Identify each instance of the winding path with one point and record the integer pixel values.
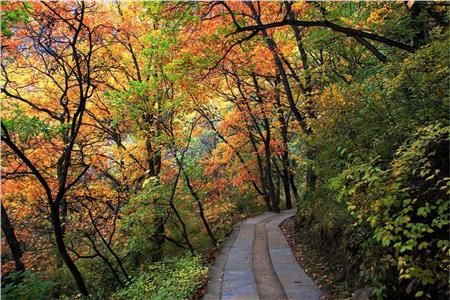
(256, 262)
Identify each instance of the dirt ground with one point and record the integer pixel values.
(308, 251)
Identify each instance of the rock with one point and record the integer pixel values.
(363, 294)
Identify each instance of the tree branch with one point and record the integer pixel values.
(327, 24)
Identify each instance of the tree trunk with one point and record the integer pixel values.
(419, 23)
(158, 239)
(200, 209)
(105, 260)
(311, 177)
(184, 231)
(261, 174)
(268, 171)
(278, 179)
(59, 260)
(284, 78)
(307, 89)
(154, 164)
(107, 245)
(311, 153)
(59, 238)
(294, 188)
(286, 181)
(285, 156)
(11, 239)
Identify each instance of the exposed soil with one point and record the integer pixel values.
(308, 252)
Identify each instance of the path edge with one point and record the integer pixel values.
(297, 287)
(217, 268)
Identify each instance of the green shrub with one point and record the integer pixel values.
(371, 195)
(174, 278)
(32, 286)
(407, 206)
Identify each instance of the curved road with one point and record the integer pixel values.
(256, 262)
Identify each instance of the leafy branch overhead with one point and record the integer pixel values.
(135, 135)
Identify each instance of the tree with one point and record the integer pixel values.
(13, 242)
(61, 39)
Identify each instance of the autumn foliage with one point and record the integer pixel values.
(137, 133)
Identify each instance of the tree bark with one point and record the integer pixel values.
(311, 177)
(268, 172)
(11, 239)
(294, 187)
(107, 245)
(286, 181)
(285, 156)
(261, 173)
(284, 79)
(59, 238)
(200, 209)
(105, 260)
(154, 165)
(54, 208)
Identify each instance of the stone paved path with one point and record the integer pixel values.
(257, 263)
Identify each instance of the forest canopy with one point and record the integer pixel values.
(134, 135)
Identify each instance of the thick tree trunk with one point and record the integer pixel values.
(11, 239)
(419, 23)
(294, 188)
(285, 156)
(158, 239)
(311, 177)
(59, 260)
(268, 168)
(154, 165)
(286, 181)
(59, 238)
(270, 185)
(278, 179)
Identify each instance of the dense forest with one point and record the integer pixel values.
(135, 135)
